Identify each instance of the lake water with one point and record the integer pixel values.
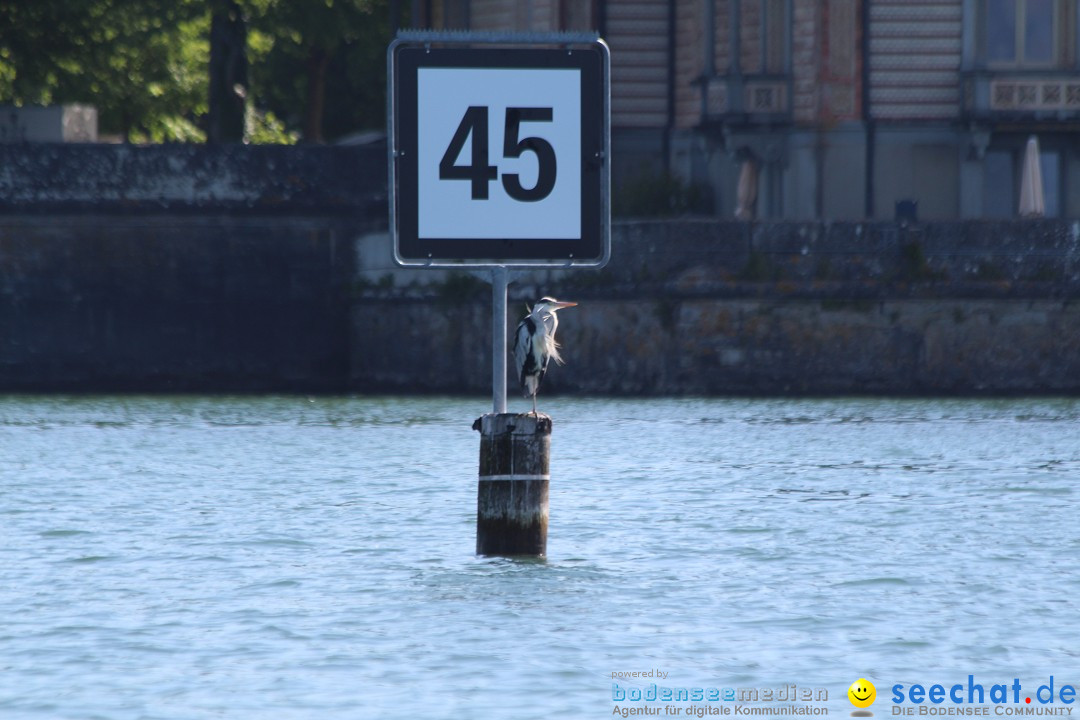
(280, 557)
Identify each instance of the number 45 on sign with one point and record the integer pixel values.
(475, 123)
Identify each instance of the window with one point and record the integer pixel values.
(763, 36)
(1028, 33)
(774, 34)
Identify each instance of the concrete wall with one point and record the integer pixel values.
(689, 307)
(919, 165)
(777, 346)
(661, 346)
(184, 268)
(230, 179)
(48, 123)
(180, 268)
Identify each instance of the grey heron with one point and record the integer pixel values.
(534, 344)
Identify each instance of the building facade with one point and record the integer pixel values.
(830, 109)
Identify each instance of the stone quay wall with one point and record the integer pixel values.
(184, 268)
(710, 307)
(180, 268)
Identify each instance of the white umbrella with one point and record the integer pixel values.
(746, 191)
(1032, 202)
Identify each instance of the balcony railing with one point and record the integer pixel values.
(765, 96)
(748, 98)
(1022, 94)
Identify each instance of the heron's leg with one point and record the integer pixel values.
(534, 403)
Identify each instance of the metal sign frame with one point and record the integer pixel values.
(584, 52)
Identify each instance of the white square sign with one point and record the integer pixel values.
(498, 150)
(525, 182)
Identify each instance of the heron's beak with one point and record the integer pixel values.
(561, 305)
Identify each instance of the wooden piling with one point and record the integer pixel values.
(512, 493)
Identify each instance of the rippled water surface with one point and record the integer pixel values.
(313, 558)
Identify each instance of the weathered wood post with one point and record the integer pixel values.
(512, 493)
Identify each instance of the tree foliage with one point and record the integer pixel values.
(316, 66)
(320, 64)
(143, 64)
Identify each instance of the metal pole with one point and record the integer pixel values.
(498, 338)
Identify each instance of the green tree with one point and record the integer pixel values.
(320, 64)
(143, 64)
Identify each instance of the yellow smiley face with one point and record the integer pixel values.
(862, 693)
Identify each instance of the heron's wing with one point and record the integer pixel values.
(522, 348)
